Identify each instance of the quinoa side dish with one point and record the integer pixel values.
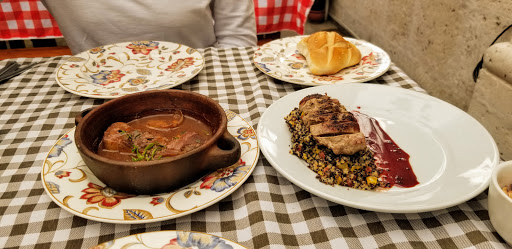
(328, 138)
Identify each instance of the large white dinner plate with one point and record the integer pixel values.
(171, 239)
(115, 70)
(71, 185)
(451, 153)
(280, 59)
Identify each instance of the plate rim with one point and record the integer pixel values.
(181, 81)
(350, 39)
(172, 231)
(355, 204)
(163, 218)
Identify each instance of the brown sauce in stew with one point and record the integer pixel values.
(153, 137)
(388, 155)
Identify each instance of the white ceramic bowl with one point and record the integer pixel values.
(500, 205)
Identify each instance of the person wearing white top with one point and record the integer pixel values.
(86, 24)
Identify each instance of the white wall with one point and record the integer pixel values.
(438, 43)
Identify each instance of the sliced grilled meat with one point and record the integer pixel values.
(347, 144)
(333, 127)
(313, 109)
(310, 97)
(331, 124)
(315, 102)
(338, 116)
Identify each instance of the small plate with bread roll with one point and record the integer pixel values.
(322, 58)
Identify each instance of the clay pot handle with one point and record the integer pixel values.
(226, 153)
(82, 114)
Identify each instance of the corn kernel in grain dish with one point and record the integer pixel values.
(327, 137)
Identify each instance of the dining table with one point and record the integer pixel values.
(266, 211)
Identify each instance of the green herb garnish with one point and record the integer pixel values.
(148, 154)
(126, 133)
(131, 136)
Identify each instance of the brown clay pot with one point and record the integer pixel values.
(152, 177)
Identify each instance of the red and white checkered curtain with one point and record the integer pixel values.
(277, 15)
(26, 19)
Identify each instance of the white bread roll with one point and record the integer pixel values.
(327, 52)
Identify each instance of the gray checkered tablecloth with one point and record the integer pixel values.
(35, 112)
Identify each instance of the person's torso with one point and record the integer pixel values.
(89, 23)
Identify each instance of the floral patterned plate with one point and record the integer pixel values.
(281, 60)
(118, 69)
(169, 240)
(71, 185)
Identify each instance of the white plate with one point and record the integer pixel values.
(280, 59)
(451, 153)
(118, 69)
(171, 239)
(71, 185)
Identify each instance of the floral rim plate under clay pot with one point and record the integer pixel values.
(70, 184)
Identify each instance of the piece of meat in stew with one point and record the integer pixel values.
(153, 137)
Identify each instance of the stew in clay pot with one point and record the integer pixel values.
(153, 137)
